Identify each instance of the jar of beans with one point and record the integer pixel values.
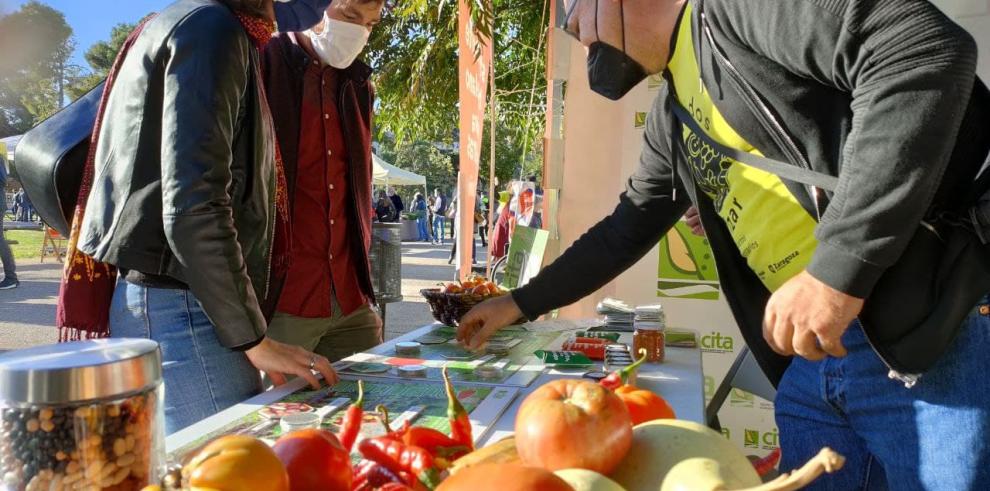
(81, 415)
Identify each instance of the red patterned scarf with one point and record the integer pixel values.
(260, 31)
(86, 289)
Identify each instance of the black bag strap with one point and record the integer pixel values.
(781, 169)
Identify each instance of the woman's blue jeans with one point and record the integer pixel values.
(202, 377)
(424, 235)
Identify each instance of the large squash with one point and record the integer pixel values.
(660, 445)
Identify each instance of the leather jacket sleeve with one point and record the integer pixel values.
(206, 78)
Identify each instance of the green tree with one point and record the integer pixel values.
(36, 43)
(100, 57)
(414, 52)
(425, 159)
(102, 54)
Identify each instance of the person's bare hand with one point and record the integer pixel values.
(693, 219)
(807, 317)
(485, 319)
(279, 360)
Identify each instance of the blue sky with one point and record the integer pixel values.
(91, 20)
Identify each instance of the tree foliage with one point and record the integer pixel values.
(102, 54)
(414, 52)
(36, 43)
(100, 57)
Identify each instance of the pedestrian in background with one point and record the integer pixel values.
(6, 255)
(396, 202)
(439, 210)
(419, 207)
(384, 209)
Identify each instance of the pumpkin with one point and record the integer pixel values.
(236, 463)
(644, 405)
(585, 480)
(658, 446)
(497, 453)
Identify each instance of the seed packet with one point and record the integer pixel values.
(563, 359)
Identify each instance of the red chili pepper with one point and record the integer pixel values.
(371, 475)
(350, 424)
(399, 457)
(460, 422)
(394, 486)
(618, 378)
(766, 464)
(435, 442)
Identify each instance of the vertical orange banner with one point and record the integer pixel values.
(473, 71)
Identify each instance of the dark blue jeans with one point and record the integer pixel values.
(934, 436)
(202, 377)
(424, 235)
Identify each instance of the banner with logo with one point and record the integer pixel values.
(474, 65)
(526, 251)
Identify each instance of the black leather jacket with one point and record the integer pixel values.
(184, 184)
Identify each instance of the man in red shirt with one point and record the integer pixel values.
(321, 100)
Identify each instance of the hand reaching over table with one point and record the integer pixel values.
(485, 319)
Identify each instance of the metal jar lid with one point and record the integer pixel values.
(79, 371)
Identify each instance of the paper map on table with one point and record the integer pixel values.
(427, 400)
(519, 367)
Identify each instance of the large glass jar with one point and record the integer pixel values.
(81, 415)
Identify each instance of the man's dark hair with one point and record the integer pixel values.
(255, 8)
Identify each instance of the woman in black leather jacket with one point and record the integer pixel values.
(183, 203)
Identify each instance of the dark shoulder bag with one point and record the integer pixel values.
(51, 158)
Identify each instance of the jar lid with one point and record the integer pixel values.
(648, 326)
(79, 371)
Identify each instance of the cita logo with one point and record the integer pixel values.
(717, 342)
(741, 398)
(767, 440)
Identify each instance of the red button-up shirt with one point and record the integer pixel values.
(321, 254)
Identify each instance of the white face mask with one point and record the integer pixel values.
(339, 43)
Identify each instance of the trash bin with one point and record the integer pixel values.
(385, 257)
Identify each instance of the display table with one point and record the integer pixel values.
(679, 380)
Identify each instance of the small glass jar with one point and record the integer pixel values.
(81, 415)
(648, 333)
(300, 421)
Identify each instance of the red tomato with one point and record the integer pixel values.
(315, 459)
(504, 477)
(573, 423)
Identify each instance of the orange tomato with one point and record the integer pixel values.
(315, 459)
(452, 288)
(504, 477)
(237, 463)
(572, 423)
(644, 405)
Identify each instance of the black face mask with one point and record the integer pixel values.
(611, 72)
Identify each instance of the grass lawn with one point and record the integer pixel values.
(28, 243)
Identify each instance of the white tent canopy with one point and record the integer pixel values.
(386, 174)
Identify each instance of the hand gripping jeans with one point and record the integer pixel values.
(934, 436)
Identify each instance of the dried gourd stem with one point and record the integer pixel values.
(827, 461)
